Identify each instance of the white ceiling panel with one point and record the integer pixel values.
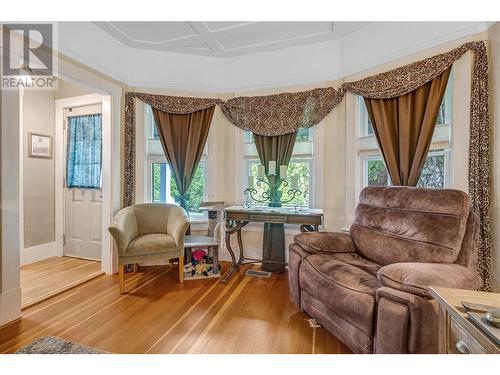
(154, 32)
(225, 39)
(224, 25)
(260, 34)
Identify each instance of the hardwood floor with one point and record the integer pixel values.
(159, 315)
(44, 279)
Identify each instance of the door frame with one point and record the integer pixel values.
(60, 106)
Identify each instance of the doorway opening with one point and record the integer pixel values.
(64, 191)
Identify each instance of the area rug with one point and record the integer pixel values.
(56, 345)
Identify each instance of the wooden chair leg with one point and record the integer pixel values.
(121, 273)
(181, 269)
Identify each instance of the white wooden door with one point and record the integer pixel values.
(82, 209)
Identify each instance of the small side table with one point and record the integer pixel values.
(457, 334)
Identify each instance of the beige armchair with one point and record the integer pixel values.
(149, 232)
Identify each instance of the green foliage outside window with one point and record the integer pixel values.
(431, 176)
(196, 191)
(295, 168)
(156, 182)
(377, 174)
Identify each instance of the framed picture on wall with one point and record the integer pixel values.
(39, 146)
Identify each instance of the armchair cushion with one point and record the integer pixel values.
(151, 244)
(325, 242)
(151, 247)
(416, 278)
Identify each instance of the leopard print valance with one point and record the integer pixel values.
(402, 80)
(178, 105)
(281, 113)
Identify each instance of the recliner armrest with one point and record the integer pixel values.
(416, 278)
(325, 242)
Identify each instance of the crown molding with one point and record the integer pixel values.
(228, 84)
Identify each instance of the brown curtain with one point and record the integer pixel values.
(183, 137)
(404, 126)
(276, 147)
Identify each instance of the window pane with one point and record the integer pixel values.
(377, 173)
(440, 120)
(369, 126)
(248, 137)
(149, 121)
(253, 172)
(163, 193)
(301, 169)
(432, 175)
(366, 124)
(303, 135)
(196, 192)
(296, 168)
(159, 175)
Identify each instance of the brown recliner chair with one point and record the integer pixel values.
(369, 288)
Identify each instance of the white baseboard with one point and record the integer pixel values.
(39, 252)
(10, 306)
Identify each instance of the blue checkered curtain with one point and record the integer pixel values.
(84, 152)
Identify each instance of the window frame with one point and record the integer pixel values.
(363, 119)
(432, 152)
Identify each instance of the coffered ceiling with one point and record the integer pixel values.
(225, 39)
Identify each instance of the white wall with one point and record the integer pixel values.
(289, 66)
(382, 42)
(11, 214)
(175, 71)
(39, 221)
(89, 45)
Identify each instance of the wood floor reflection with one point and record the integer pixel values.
(158, 315)
(46, 278)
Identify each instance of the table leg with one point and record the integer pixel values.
(273, 251)
(233, 227)
(240, 245)
(234, 265)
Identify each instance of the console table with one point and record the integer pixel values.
(274, 218)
